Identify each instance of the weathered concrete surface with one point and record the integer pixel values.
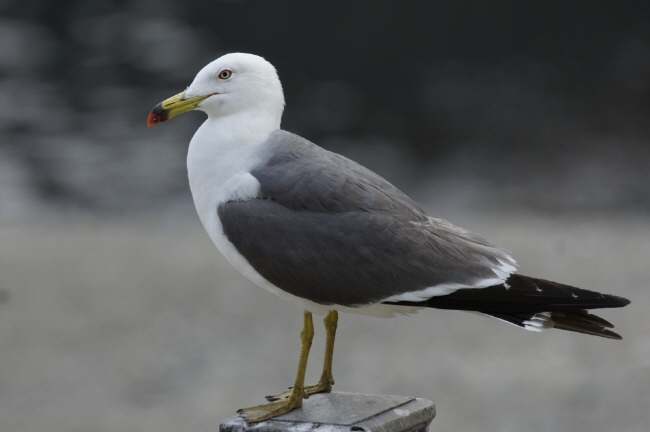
(346, 412)
(142, 326)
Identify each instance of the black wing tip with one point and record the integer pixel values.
(578, 321)
(602, 332)
(611, 335)
(618, 301)
(581, 321)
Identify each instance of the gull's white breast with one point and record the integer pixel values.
(219, 170)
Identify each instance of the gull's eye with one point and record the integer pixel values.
(225, 74)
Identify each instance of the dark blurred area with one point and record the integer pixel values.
(540, 105)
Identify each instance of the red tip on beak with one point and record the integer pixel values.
(157, 115)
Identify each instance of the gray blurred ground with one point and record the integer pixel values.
(140, 325)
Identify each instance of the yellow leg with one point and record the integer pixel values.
(294, 400)
(326, 380)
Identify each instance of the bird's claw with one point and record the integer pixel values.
(267, 411)
(323, 386)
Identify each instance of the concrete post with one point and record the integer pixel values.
(346, 412)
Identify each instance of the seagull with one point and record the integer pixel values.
(330, 235)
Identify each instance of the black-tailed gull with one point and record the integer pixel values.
(329, 235)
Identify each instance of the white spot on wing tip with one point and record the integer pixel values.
(539, 322)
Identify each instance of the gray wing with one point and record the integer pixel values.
(302, 176)
(329, 230)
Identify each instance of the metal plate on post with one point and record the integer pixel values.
(346, 412)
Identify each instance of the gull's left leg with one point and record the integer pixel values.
(326, 380)
(258, 413)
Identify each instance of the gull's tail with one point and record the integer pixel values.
(534, 304)
(578, 320)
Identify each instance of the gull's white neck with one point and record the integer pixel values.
(221, 155)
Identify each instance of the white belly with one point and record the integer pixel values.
(208, 195)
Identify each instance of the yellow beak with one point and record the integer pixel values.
(173, 106)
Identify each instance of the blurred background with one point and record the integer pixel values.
(527, 122)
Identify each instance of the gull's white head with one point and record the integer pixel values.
(234, 83)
